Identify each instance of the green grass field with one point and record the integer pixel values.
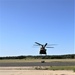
(35, 60)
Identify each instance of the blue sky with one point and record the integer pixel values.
(22, 22)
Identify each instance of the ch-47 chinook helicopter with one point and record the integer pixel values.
(43, 48)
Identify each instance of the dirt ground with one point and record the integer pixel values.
(24, 71)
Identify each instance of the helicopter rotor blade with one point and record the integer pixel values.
(45, 45)
(49, 47)
(51, 44)
(35, 45)
(38, 43)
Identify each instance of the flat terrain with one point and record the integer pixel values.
(27, 67)
(36, 72)
(34, 62)
(15, 64)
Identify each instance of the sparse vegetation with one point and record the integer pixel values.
(68, 56)
(56, 68)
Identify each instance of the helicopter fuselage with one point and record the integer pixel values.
(42, 50)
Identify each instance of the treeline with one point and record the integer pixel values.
(69, 56)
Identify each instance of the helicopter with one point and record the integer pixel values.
(43, 48)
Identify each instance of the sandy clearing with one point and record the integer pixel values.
(28, 71)
(35, 72)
